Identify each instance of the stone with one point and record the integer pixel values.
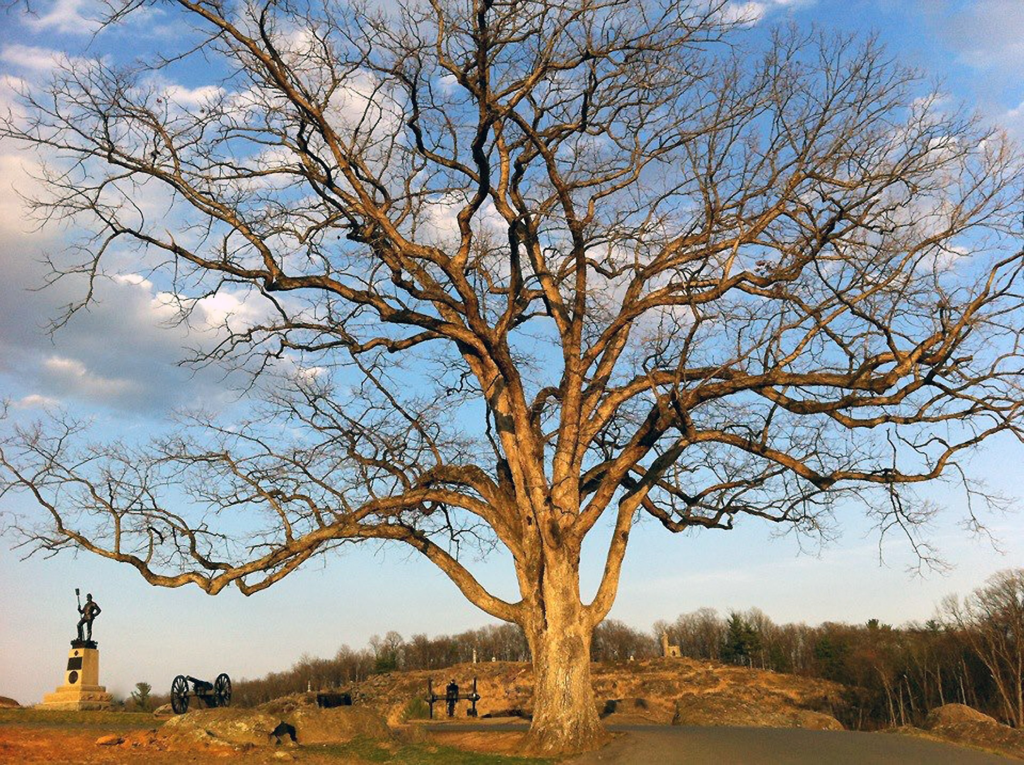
(110, 740)
(81, 689)
(810, 720)
(337, 725)
(712, 711)
(223, 725)
(955, 714)
(8, 703)
(259, 727)
(165, 710)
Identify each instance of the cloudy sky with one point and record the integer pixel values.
(117, 363)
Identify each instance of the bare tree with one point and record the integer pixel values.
(991, 620)
(534, 266)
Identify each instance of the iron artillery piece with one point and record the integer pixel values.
(451, 697)
(215, 694)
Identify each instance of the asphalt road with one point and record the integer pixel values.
(672, 745)
(667, 745)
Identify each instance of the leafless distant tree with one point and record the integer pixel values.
(534, 266)
(991, 620)
(616, 641)
(699, 634)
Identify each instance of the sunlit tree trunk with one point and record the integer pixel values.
(559, 630)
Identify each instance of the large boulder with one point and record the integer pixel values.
(335, 726)
(275, 722)
(223, 725)
(963, 725)
(7, 703)
(711, 710)
(811, 720)
(956, 714)
(625, 711)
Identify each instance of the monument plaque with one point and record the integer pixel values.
(81, 689)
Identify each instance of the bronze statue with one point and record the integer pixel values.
(88, 612)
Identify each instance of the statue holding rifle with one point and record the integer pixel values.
(88, 613)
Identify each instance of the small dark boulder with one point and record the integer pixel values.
(284, 733)
(333, 699)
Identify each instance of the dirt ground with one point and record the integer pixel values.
(29, 736)
(38, 742)
(33, 744)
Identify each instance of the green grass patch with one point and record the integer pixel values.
(41, 718)
(371, 750)
(416, 709)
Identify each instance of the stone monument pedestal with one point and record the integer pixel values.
(81, 689)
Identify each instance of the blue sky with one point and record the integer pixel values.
(118, 364)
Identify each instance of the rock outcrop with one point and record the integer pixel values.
(222, 726)
(962, 724)
(282, 721)
(335, 726)
(726, 710)
(956, 714)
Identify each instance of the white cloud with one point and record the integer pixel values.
(1013, 120)
(752, 11)
(65, 16)
(74, 378)
(136, 280)
(192, 97)
(30, 57)
(744, 13)
(236, 310)
(16, 179)
(987, 34)
(36, 401)
(122, 353)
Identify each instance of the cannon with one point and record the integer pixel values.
(432, 698)
(215, 694)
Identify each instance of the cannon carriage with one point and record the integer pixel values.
(451, 697)
(215, 694)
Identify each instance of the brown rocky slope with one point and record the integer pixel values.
(662, 691)
(962, 725)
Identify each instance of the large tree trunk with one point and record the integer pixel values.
(559, 632)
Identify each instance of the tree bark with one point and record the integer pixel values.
(559, 630)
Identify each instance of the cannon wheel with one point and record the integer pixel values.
(222, 690)
(179, 695)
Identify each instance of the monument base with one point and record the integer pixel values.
(70, 698)
(81, 689)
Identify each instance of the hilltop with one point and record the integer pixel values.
(656, 691)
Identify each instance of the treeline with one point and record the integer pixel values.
(972, 653)
(499, 642)
(894, 675)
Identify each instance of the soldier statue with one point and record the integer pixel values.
(88, 612)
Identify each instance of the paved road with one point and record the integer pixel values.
(671, 745)
(775, 746)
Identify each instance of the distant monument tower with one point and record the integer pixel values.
(81, 689)
(669, 651)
